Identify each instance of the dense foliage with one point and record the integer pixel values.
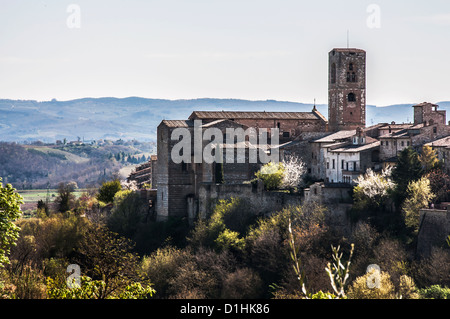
(234, 252)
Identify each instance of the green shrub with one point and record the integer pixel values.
(226, 226)
(435, 292)
(108, 190)
(272, 175)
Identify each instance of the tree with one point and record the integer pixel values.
(419, 196)
(9, 212)
(128, 214)
(440, 185)
(271, 174)
(428, 158)
(294, 169)
(107, 257)
(408, 168)
(65, 199)
(108, 190)
(373, 189)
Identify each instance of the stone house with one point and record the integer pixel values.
(442, 148)
(343, 156)
(178, 184)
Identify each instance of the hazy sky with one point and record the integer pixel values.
(249, 49)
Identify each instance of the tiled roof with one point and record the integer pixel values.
(424, 104)
(256, 115)
(356, 148)
(445, 141)
(178, 123)
(336, 136)
(398, 134)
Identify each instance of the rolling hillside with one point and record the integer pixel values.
(137, 118)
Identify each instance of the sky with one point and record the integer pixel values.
(242, 49)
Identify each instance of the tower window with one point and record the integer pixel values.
(348, 76)
(353, 77)
(333, 73)
(351, 97)
(350, 66)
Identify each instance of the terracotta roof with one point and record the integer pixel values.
(425, 103)
(336, 136)
(397, 126)
(256, 115)
(445, 141)
(398, 134)
(178, 123)
(356, 148)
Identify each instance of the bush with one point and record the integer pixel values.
(272, 175)
(435, 292)
(108, 190)
(162, 265)
(223, 230)
(244, 283)
(361, 290)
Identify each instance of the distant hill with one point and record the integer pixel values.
(138, 118)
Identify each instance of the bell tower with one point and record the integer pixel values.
(346, 89)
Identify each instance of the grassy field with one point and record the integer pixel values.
(31, 197)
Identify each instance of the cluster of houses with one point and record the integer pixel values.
(335, 150)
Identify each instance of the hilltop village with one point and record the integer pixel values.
(335, 150)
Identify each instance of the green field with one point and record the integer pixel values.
(34, 195)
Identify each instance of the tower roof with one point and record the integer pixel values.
(348, 50)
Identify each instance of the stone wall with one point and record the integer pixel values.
(434, 228)
(263, 202)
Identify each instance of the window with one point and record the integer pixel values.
(333, 73)
(407, 143)
(353, 77)
(351, 97)
(285, 134)
(348, 76)
(387, 143)
(350, 66)
(278, 124)
(328, 165)
(342, 164)
(334, 166)
(435, 130)
(403, 143)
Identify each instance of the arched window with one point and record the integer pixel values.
(333, 73)
(353, 77)
(348, 76)
(350, 66)
(351, 97)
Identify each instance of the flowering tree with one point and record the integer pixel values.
(373, 189)
(419, 196)
(294, 169)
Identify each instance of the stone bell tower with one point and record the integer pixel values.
(346, 89)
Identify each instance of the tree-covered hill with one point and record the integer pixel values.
(39, 166)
